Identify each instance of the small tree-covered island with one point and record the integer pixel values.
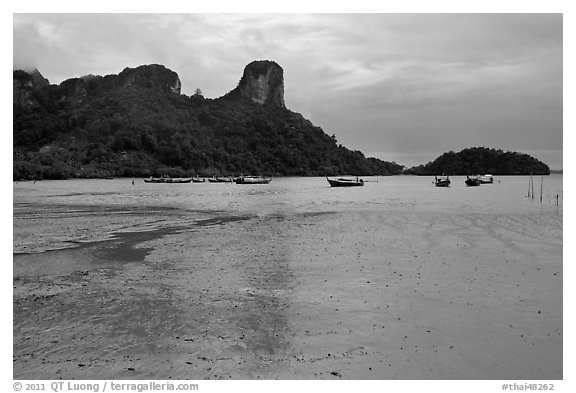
(479, 160)
(138, 124)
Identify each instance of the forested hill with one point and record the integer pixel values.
(137, 123)
(481, 160)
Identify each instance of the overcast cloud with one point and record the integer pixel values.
(402, 87)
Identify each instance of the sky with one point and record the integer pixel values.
(399, 87)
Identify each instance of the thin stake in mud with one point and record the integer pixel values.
(530, 186)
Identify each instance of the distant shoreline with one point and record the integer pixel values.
(552, 172)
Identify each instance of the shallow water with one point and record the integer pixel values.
(49, 214)
(292, 194)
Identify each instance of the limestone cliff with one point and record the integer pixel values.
(24, 83)
(137, 124)
(152, 76)
(263, 83)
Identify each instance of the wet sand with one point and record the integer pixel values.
(341, 295)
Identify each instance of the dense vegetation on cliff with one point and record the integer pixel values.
(481, 160)
(138, 125)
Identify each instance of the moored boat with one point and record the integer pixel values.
(220, 180)
(179, 180)
(166, 179)
(198, 180)
(442, 182)
(252, 180)
(486, 179)
(345, 182)
(472, 181)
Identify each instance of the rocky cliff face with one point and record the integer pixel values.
(263, 83)
(75, 90)
(24, 83)
(153, 76)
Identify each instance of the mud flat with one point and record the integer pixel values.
(334, 295)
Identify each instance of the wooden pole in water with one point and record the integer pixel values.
(541, 187)
(532, 181)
